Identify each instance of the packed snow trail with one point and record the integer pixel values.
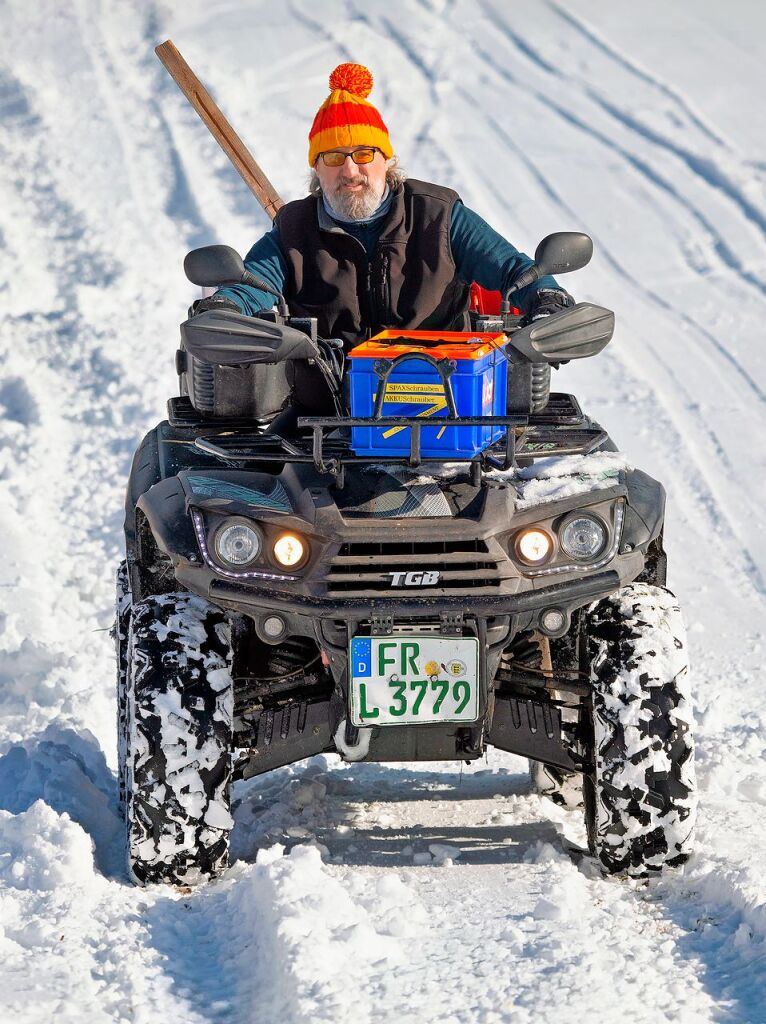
(366, 892)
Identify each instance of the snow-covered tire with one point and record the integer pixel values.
(640, 797)
(562, 787)
(179, 736)
(120, 632)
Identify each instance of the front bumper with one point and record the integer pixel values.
(571, 594)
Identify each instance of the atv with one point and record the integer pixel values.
(481, 570)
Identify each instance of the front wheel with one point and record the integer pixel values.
(640, 793)
(176, 749)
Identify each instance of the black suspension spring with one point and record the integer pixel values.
(541, 386)
(204, 386)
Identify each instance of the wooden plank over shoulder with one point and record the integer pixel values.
(222, 131)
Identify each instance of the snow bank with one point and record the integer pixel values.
(48, 889)
(42, 850)
(552, 478)
(68, 771)
(319, 939)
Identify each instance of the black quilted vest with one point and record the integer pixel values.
(408, 282)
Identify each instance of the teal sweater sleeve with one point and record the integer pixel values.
(484, 256)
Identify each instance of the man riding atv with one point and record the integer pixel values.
(381, 583)
(369, 249)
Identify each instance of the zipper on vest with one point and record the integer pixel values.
(385, 288)
(368, 317)
(378, 295)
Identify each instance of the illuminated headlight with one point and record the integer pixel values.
(583, 537)
(290, 551)
(533, 546)
(237, 543)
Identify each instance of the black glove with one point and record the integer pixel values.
(221, 302)
(546, 302)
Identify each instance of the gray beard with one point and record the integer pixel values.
(354, 205)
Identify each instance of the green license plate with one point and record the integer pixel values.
(413, 680)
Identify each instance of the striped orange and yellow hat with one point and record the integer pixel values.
(346, 118)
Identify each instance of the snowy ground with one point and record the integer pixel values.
(405, 893)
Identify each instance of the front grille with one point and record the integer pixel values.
(364, 568)
(415, 628)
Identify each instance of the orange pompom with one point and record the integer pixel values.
(353, 78)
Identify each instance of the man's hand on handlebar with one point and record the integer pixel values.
(547, 302)
(219, 302)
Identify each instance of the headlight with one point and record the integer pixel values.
(290, 551)
(238, 543)
(583, 537)
(533, 546)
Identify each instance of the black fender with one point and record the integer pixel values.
(644, 512)
(145, 471)
(165, 510)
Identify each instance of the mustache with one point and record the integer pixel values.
(356, 180)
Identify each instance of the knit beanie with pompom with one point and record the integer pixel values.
(346, 118)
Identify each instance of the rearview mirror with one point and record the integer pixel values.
(562, 252)
(559, 253)
(214, 265)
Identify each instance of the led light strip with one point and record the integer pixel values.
(619, 513)
(199, 527)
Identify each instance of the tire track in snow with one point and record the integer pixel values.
(112, 69)
(105, 74)
(728, 258)
(706, 169)
(512, 917)
(320, 29)
(50, 382)
(502, 72)
(412, 58)
(647, 171)
(623, 61)
(427, 141)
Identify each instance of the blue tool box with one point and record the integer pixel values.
(418, 370)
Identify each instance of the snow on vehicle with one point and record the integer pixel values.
(446, 566)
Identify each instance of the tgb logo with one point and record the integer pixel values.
(415, 579)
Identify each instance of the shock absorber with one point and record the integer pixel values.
(541, 386)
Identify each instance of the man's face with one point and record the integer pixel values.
(353, 190)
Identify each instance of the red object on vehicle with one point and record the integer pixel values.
(487, 303)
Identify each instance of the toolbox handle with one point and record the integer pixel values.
(385, 367)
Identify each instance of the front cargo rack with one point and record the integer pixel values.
(325, 441)
(501, 455)
(326, 444)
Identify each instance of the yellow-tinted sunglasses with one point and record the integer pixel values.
(332, 158)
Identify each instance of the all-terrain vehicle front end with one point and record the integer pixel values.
(284, 596)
